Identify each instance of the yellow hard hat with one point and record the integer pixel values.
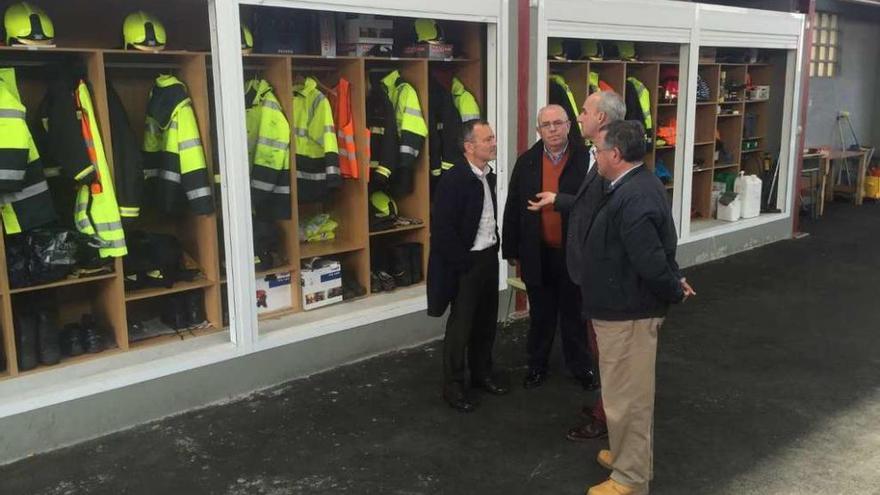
(428, 31)
(247, 39)
(28, 25)
(143, 31)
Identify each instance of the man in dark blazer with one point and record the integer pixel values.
(535, 240)
(598, 110)
(463, 266)
(629, 277)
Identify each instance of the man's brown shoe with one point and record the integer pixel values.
(590, 431)
(611, 487)
(605, 459)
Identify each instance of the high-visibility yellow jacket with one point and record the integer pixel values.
(96, 212)
(317, 151)
(449, 108)
(411, 128)
(268, 133)
(560, 94)
(175, 169)
(25, 202)
(638, 105)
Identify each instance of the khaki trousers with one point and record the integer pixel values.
(627, 359)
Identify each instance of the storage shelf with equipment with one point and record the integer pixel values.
(747, 109)
(581, 67)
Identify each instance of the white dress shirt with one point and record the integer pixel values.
(619, 178)
(592, 158)
(486, 231)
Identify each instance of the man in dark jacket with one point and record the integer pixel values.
(629, 278)
(536, 240)
(599, 109)
(463, 266)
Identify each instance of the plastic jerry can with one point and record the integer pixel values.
(748, 188)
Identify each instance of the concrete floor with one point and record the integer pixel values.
(767, 384)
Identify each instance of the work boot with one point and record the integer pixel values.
(71, 340)
(611, 487)
(400, 265)
(605, 459)
(174, 313)
(26, 341)
(194, 308)
(415, 261)
(91, 337)
(47, 337)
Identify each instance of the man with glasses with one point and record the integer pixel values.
(599, 109)
(536, 241)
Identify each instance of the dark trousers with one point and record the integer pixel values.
(470, 329)
(556, 302)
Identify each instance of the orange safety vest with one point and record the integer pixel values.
(342, 116)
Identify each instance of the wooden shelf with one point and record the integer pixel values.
(326, 248)
(62, 283)
(659, 148)
(398, 229)
(66, 361)
(669, 187)
(701, 103)
(753, 151)
(573, 62)
(731, 102)
(757, 101)
(704, 143)
(719, 166)
(669, 105)
(166, 339)
(162, 291)
(704, 169)
(752, 137)
(728, 115)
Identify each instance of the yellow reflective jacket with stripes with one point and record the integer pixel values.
(175, 169)
(268, 133)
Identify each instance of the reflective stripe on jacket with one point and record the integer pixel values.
(175, 169)
(96, 212)
(25, 202)
(317, 151)
(411, 128)
(268, 133)
(341, 103)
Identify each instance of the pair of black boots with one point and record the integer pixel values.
(184, 310)
(406, 263)
(38, 340)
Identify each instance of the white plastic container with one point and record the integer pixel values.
(748, 190)
(731, 211)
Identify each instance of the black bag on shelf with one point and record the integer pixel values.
(45, 255)
(154, 260)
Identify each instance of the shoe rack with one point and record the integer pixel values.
(96, 47)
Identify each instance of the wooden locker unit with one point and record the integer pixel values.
(132, 74)
(648, 73)
(613, 73)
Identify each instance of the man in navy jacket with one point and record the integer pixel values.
(463, 266)
(629, 278)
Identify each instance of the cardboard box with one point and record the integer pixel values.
(432, 51)
(367, 29)
(321, 284)
(758, 93)
(327, 29)
(273, 293)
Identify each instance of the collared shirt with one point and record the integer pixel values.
(486, 237)
(592, 158)
(555, 158)
(618, 179)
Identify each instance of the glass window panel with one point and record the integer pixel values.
(832, 54)
(813, 53)
(833, 38)
(822, 53)
(812, 69)
(823, 36)
(821, 69)
(830, 70)
(833, 22)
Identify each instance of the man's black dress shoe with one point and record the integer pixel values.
(588, 380)
(454, 396)
(490, 385)
(593, 429)
(534, 379)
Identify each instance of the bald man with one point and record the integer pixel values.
(536, 241)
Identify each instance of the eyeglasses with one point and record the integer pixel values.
(554, 124)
